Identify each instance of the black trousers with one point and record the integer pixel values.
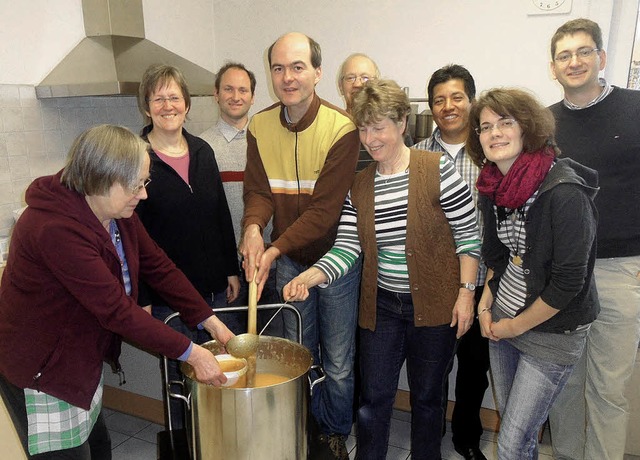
(471, 383)
(97, 447)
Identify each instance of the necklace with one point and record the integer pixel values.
(387, 177)
(516, 216)
(174, 151)
(516, 258)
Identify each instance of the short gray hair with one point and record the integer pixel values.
(101, 157)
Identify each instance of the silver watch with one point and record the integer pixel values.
(470, 286)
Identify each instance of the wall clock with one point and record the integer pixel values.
(536, 7)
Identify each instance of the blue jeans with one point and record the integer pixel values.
(428, 351)
(329, 320)
(525, 388)
(198, 336)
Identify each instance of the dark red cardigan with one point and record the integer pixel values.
(63, 305)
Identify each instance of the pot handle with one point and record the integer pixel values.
(313, 383)
(185, 399)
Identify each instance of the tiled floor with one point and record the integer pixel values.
(135, 439)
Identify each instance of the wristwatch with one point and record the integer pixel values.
(470, 286)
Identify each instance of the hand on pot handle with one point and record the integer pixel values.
(206, 367)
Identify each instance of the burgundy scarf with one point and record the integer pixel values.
(522, 180)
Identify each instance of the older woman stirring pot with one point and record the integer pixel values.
(69, 295)
(412, 216)
(539, 248)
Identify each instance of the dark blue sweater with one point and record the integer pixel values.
(606, 137)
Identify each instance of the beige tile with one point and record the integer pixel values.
(5, 174)
(12, 119)
(19, 167)
(53, 143)
(50, 118)
(6, 193)
(28, 96)
(9, 96)
(3, 145)
(16, 144)
(34, 141)
(19, 186)
(32, 118)
(39, 166)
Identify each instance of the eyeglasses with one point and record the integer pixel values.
(504, 124)
(138, 188)
(582, 53)
(351, 79)
(159, 101)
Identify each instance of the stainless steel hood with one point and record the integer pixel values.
(114, 55)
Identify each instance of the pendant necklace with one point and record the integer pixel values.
(516, 258)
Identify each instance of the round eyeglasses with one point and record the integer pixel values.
(582, 53)
(502, 125)
(159, 101)
(138, 188)
(351, 79)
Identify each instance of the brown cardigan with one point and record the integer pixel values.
(434, 268)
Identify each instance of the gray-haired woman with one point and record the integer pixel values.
(69, 294)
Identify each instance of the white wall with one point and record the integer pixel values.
(185, 27)
(36, 34)
(409, 39)
(495, 39)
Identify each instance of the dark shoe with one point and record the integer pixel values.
(470, 453)
(337, 444)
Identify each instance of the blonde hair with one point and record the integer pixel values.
(380, 99)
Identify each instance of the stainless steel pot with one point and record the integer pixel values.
(254, 423)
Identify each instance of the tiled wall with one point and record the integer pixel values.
(35, 134)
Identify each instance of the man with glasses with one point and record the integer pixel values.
(451, 90)
(597, 125)
(355, 71)
(301, 160)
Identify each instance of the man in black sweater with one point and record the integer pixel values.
(598, 126)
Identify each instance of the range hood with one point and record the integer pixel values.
(113, 56)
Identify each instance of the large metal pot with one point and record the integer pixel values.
(254, 423)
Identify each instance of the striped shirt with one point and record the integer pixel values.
(469, 172)
(606, 90)
(512, 290)
(390, 201)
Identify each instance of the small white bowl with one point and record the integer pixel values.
(237, 367)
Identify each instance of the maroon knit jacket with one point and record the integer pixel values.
(63, 305)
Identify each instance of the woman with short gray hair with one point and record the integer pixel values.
(69, 296)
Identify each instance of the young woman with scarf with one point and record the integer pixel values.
(539, 247)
